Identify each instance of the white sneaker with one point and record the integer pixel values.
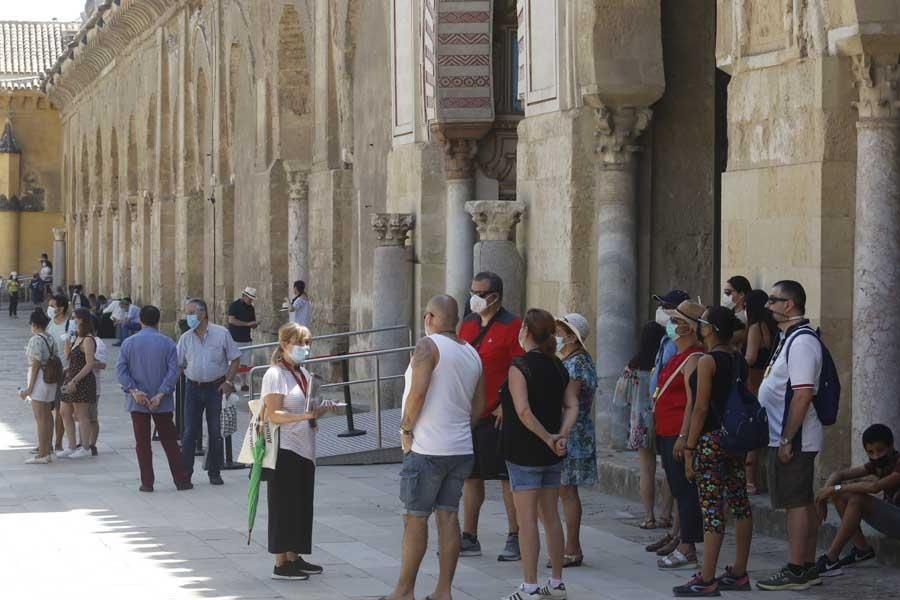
(39, 460)
(521, 594)
(64, 453)
(80, 453)
(557, 593)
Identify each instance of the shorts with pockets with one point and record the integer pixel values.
(791, 484)
(429, 483)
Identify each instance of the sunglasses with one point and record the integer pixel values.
(482, 294)
(776, 300)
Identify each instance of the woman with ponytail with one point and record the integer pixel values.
(540, 408)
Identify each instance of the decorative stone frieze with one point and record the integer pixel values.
(391, 229)
(495, 219)
(877, 81)
(617, 132)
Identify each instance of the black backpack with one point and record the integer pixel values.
(745, 425)
(827, 398)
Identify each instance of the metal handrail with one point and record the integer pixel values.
(347, 357)
(331, 336)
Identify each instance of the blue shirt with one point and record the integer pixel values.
(667, 349)
(148, 361)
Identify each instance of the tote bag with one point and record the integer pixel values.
(260, 426)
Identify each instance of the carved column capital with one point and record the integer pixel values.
(298, 183)
(97, 211)
(877, 81)
(147, 197)
(391, 229)
(113, 210)
(617, 130)
(495, 219)
(59, 234)
(132, 204)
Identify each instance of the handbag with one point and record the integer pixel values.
(260, 426)
(53, 369)
(228, 418)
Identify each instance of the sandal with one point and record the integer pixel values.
(659, 543)
(664, 523)
(676, 560)
(668, 548)
(569, 560)
(649, 524)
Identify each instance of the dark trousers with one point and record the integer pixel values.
(168, 436)
(197, 399)
(290, 498)
(684, 492)
(14, 305)
(124, 330)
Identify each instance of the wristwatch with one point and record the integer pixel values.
(405, 431)
(837, 488)
(784, 441)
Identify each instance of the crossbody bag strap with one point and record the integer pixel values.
(49, 346)
(301, 381)
(671, 378)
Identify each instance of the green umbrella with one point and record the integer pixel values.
(259, 451)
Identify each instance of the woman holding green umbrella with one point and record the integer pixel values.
(285, 393)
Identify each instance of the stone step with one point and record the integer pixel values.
(619, 474)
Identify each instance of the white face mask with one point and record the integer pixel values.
(479, 304)
(560, 343)
(661, 317)
(51, 311)
(727, 301)
(299, 354)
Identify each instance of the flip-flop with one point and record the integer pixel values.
(648, 524)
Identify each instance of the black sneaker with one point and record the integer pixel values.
(826, 568)
(469, 545)
(216, 480)
(305, 567)
(812, 574)
(785, 579)
(856, 556)
(94, 451)
(729, 582)
(288, 571)
(697, 588)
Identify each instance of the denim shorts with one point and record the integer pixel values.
(429, 483)
(523, 478)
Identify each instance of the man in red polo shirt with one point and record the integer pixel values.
(494, 332)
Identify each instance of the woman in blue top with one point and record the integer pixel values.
(580, 464)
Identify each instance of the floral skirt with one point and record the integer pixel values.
(579, 471)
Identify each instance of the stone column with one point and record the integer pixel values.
(115, 282)
(460, 234)
(616, 332)
(298, 219)
(393, 298)
(876, 330)
(133, 250)
(59, 258)
(496, 251)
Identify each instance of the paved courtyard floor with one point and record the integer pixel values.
(81, 530)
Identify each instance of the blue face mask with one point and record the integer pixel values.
(671, 331)
(193, 321)
(299, 354)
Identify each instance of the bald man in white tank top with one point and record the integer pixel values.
(444, 397)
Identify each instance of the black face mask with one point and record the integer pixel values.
(885, 461)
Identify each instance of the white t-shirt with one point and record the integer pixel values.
(803, 373)
(99, 356)
(300, 311)
(299, 438)
(46, 273)
(444, 426)
(60, 332)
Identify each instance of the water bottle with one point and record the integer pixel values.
(27, 398)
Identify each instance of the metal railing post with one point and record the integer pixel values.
(377, 403)
(351, 430)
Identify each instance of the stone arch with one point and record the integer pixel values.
(295, 114)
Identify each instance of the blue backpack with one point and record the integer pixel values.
(745, 425)
(827, 398)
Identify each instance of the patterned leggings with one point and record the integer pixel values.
(720, 476)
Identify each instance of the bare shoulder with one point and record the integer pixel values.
(426, 352)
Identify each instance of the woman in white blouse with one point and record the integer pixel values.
(300, 304)
(38, 351)
(285, 392)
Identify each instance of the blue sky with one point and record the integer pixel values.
(40, 10)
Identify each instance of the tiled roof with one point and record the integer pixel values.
(28, 49)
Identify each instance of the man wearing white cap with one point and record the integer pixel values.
(242, 316)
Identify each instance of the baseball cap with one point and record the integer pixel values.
(672, 297)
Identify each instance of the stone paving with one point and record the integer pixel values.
(81, 530)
